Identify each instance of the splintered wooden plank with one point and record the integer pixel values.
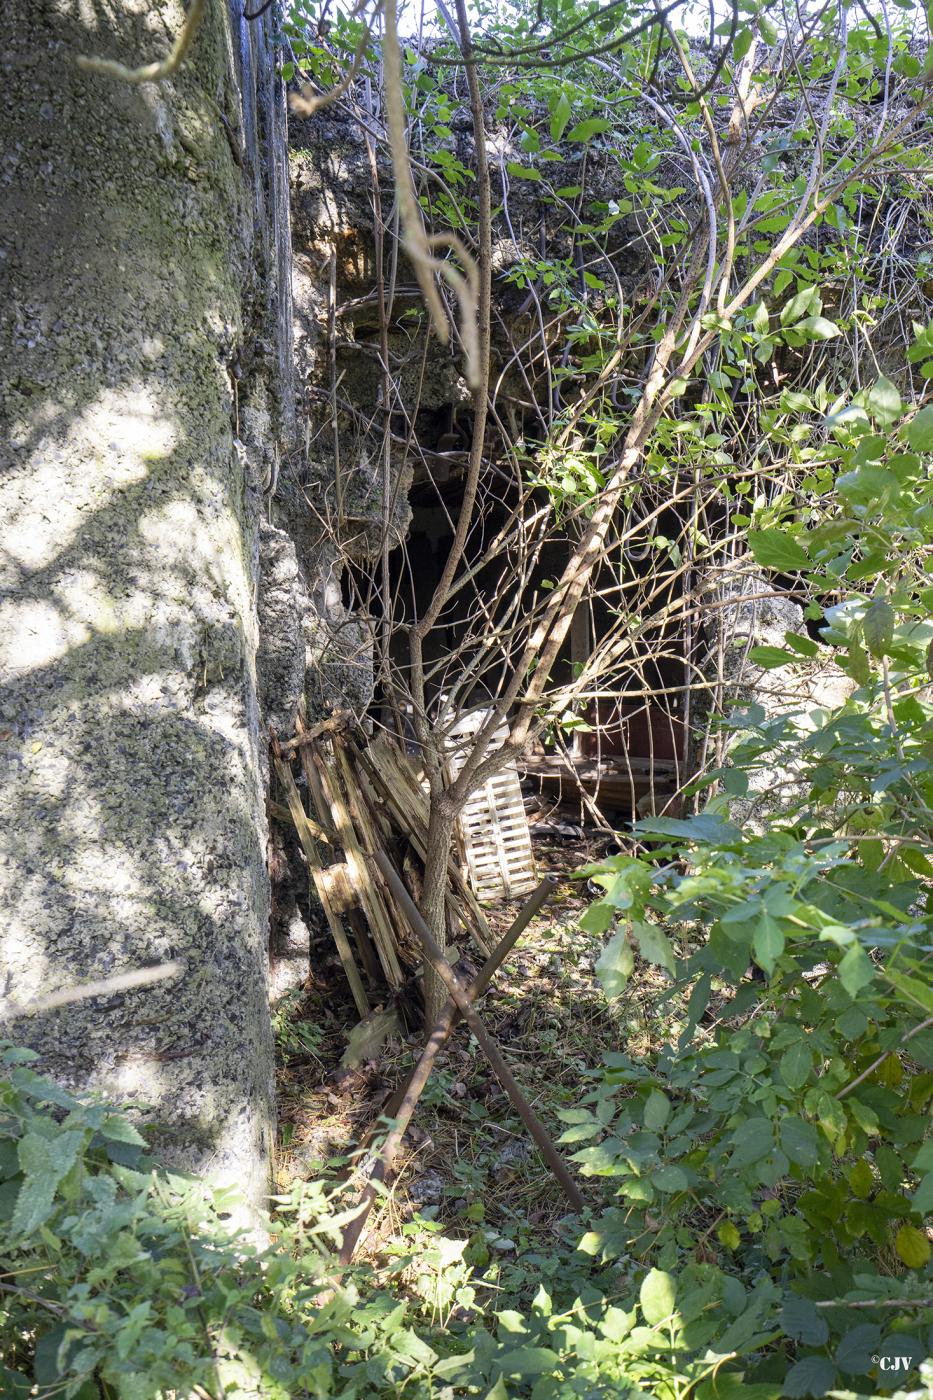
(396, 783)
(493, 827)
(306, 837)
(357, 837)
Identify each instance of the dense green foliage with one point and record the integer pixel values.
(762, 1176)
(786, 1128)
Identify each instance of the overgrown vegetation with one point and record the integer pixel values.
(759, 1166)
(672, 242)
(762, 1175)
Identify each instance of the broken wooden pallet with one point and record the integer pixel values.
(493, 828)
(362, 798)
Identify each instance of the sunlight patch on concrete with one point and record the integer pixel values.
(36, 634)
(119, 435)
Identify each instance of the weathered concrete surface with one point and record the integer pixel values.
(141, 288)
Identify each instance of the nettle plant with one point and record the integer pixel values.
(121, 1279)
(781, 1137)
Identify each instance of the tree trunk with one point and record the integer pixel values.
(136, 352)
(433, 909)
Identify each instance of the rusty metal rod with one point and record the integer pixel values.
(485, 1041)
(405, 1100)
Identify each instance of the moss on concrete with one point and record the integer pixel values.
(130, 737)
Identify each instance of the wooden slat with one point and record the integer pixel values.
(493, 828)
(385, 934)
(306, 837)
(591, 770)
(334, 796)
(396, 783)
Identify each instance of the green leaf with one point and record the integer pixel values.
(831, 1114)
(597, 918)
(451, 1365)
(801, 1321)
(670, 1178)
(728, 1235)
(44, 1162)
(614, 964)
(799, 1141)
(743, 42)
(775, 549)
(522, 172)
(591, 127)
(119, 1129)
(768, 943)
(922, 1199)
(706, 828)
(617, 1323)
(912, 988)
(654, 945)
(861, 1180)
(699, 999)
(771, 657)
(884, 402)
(913, 1246)
(855, 970)
(14, 1385)
(52, 1355)
(857, 664)
(806, 646)
(812, 1376)
(817, 328)
(854, 1351)
(560, 117)
(9, 1158)
(753, 1140)
(732, 1385)
(657, 1110)
(878, 627)
(796, 1067)
(799, 305)
(919, 431)
(528, 1361)
(657, 1297)
(923, 1158)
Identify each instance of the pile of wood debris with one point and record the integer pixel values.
(365, 795)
